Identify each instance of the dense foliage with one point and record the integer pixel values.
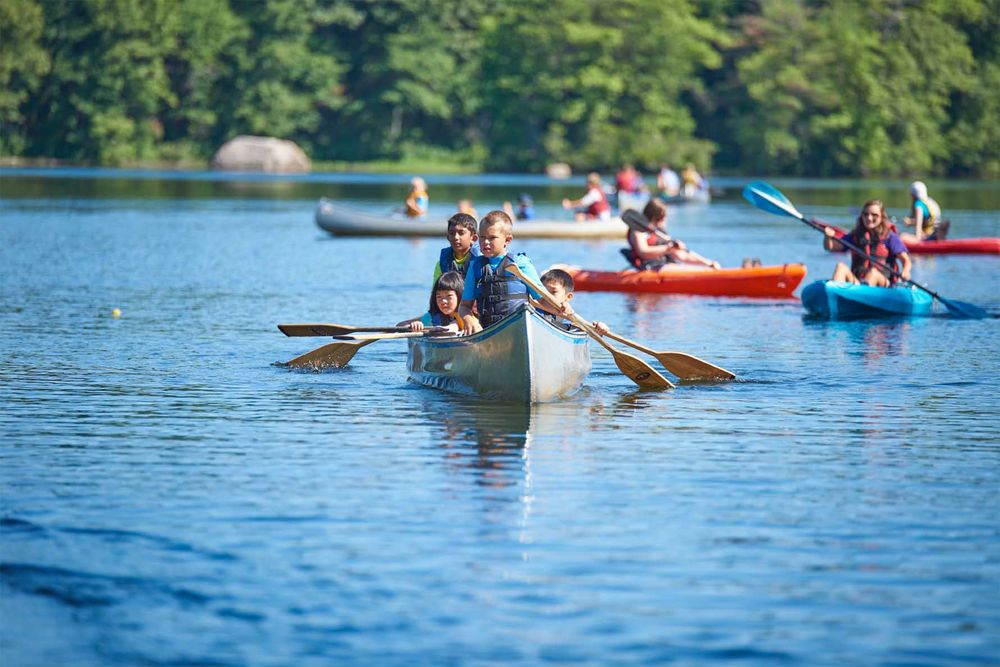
(841, 87)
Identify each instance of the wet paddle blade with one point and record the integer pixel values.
(331, 355)
(768, 198)
(963, 310)
(688, 367)
(639, 371)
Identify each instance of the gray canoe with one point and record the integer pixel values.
(343, 220)
(523, 358)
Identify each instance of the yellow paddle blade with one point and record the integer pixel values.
(639, 371)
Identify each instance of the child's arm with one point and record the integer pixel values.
(472, 324)
(415, 323)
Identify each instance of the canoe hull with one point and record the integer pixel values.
(844, 301)
(342, 220)
(524, 358)
(762, 281)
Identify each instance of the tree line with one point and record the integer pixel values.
(793, 87)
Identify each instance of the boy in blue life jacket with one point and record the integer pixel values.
(461, 246)
(494, 292)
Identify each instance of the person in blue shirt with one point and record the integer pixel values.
(493, 291)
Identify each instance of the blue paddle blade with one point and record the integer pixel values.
(963, 310)
(768, 198)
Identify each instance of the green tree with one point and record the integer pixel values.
(851, 87)
(23, 62)
(593, 83)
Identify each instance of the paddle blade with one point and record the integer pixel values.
(963, 310)
(635, 220)
(639, 371)
(769, 198)
(689, 367)
(331, 355)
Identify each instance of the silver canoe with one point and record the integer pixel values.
(522, 358)
(343, 220)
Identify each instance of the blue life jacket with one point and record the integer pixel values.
(498, 292)
(447, 260)
(441, 320)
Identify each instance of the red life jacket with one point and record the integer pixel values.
(599, 206)
(877, 248)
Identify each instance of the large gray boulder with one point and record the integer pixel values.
(249, 153)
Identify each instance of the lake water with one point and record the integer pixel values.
(171, 497)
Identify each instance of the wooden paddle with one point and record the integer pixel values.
(320, 329)
(684, 366)
(634, 368)
(338, 354)
(768, 198)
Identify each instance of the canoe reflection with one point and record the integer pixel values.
(493, 440)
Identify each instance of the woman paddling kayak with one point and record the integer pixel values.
(872, 233)
(655, 250)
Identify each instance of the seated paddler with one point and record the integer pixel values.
(443, 309)
(560, 285)
(873, 234)
(493, 291)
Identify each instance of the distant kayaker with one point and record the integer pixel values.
(693, 181)
(668, 182)
(461, 246)
(417, 200)
(560, 285)
(925, 217)
(493, 291)
(594, 204)
(654, 250)
(872, 233)
(443, 310)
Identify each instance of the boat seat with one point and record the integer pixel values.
(629, 256)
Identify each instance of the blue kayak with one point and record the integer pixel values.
(841, 301)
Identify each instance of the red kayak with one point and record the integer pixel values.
(987, 245)
(760, 281)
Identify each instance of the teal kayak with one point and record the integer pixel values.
(840, 301)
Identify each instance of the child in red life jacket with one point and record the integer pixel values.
(872, 233)
(594, 204)
(443, 310)
(650, 251)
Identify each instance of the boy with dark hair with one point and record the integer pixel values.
(461, 246)
(560, 285)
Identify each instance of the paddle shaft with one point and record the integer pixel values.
(339, 353)
(323, 329)
(635, 369)
(768, 198)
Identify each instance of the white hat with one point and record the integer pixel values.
(918, 189)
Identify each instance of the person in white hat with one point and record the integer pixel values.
(925, 217)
